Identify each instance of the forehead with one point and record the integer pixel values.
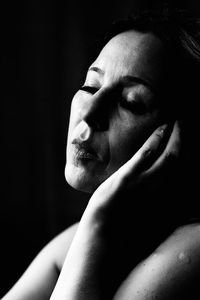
(132, 53)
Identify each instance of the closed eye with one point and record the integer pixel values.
(89, 89)
(134, 106)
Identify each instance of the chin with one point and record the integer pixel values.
(80, 180)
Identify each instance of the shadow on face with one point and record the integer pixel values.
(115, 110)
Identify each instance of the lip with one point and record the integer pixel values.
(84, 151)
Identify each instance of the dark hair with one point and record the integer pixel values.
(179, 31)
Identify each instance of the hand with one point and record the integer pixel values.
(95, 258)
(147, 167)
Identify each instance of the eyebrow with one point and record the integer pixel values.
(139, 80)
(127, 78)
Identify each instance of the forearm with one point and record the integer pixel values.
(80, 275)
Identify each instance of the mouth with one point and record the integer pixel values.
(84, 152)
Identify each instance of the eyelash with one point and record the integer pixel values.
(89, 89)
(135, 107)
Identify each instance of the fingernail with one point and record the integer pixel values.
(162, 129)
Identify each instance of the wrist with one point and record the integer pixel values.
(95, 216)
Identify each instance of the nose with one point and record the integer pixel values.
(85, 132)
(96, 111)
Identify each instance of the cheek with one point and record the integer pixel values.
(123, 143)
(127, 136)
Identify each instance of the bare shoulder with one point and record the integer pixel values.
(171, 272)
(59, 246)
(182, 246)
(39, 280)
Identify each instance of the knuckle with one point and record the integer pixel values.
(159, 134)
(146, 152)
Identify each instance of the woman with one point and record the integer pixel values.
(129, 146)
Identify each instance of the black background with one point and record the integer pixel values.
(46, 50)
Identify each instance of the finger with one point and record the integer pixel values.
(170, 153)
(147, 154)
(131, 170)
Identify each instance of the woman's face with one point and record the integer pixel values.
(115, 110)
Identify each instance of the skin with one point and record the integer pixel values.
(117, 133)
(132, 149)
(121, 130)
